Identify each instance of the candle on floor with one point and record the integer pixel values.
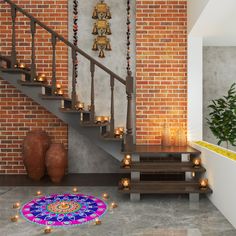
(75, 190)
(38, 193)
(105, 196)
(47, 230)
(15, 218)
(98, 222)
(114, 205)
(16, 205)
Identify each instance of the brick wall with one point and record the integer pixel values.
(161, 67)
(19, 113)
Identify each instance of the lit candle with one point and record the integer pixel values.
(16, 205)
(98, 119)
(97, 221)
(80, 106)
(203, 183)
(114, 205)
(125, 183)
(127, 161)
(105, 196)
(196, 162)
(75, 190)
(60, 92)
(117, 132)
(121, 129)
(38, 193)
(58, 86)
(106, 118)
(47, 230)
(22, 65)
(15, 218)
(193, 174)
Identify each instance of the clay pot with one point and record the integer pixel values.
(166, 135)
(35, 146)
(56, 162)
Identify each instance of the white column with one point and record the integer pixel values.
(195, 89)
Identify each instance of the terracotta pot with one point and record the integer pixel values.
(35, 146)
(166, 135)
(56, 162)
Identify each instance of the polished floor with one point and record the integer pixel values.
(152, 216)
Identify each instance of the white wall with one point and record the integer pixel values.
(195, 90)
(221, 172)
(195, 8)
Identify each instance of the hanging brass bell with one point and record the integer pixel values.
(108, 46)
(108, 29)
(95, 14)
(95, 29)
(95, 46)
(101, 53)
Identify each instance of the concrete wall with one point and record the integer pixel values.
(83, 155)
(219, 73)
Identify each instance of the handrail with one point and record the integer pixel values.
(71, 45)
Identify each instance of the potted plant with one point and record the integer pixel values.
(222, 118)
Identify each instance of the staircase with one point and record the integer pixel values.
(164, 170)
(154, 169)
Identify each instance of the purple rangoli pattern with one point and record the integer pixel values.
(63, 209)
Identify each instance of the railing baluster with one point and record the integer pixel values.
(129, 126)
(112, 121)
(33, 65)
(73, 93)
(92, 112)
(13, 48)
(54, 80)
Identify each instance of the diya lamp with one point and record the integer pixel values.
(119, 132)
(114, 205)
(21, 66)
(127, 161)
(75, 190)
(97, 221)
(38, 193)
(47, 230)
(106, 119)
(203, 183)
(16, 205)
(15, 218)
(98, 119)
(58, 86)
(105, 196)
(197, 162)
(79, 106)
(60, 92)
(42, 78)
(125, 182)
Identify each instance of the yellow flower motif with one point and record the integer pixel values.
(231, 155)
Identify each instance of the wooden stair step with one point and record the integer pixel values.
(89, 124)
(172, 187)
(173, 167)
(69, 110)
(107, 137)
(33, 84)
(155, 149)
(53, 97)
(16, 71)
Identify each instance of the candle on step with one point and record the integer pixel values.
(196, 162)
(117, 133)
(80, 106)
(98, 119)
(125, 183)
(58, 86)
(75, 190)
(203, 183)
(106, 118)
(127, 161)
(16, 205)
(60, 92)
(22, 66)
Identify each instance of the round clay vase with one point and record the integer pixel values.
(56, 162)
(34, 148)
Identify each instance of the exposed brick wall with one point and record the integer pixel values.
(19, 113)
(161, 67)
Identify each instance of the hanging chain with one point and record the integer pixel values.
(128, 36)
(75, 35)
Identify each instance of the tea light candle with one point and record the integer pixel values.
(22, 66)
(15, 218)
(38, 193)
(121, 129)
(127, 161)
(125, 183)
(58, 86)
(196, 162)
(114, 205)
(75, 190)
(48, 230)
(105, 196)
(97, 221)
(203, 183)
(60, 92)
(106, 118)
(16, 205)
(98, 119)
(117, 132)
(80, 106)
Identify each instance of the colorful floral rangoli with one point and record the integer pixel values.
(63, 209)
